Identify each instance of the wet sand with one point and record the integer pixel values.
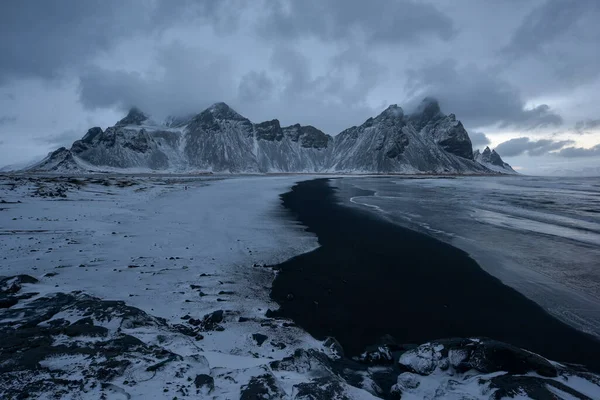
(371, 277)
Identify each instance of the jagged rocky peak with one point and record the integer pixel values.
(428, 111)
(61, 151)
(490, 156)
(173, 121)
(223, 111)
(308, 136)
(393, 111)
(445, 130)
(493, 161)
(87, 140)
(269, 130)
(134, 117)
(91, 134)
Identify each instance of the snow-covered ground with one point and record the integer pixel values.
(173, 253)
(156, 287)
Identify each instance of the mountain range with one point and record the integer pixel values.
(220, 140)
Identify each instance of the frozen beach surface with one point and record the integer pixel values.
(166, 260)
(148, 287)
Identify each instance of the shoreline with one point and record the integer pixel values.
(370, 277)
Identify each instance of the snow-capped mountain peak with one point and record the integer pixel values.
(223, 111)
(492, 160)
(134, 117)
(220, 139)
(393, 111)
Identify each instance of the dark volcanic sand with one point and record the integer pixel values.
(371, 277)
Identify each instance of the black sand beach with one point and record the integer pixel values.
(370, 278)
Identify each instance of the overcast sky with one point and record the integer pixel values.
(522, 75)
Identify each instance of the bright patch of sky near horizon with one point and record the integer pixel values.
(508, 69)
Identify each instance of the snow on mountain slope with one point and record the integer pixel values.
(394, 142)
(492, 161)
(220, 140)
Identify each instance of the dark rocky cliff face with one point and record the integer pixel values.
(308, 136)
(269, 130)
(221, 140)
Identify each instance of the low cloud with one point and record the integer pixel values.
(377, 21)
(47, 38)
(522, 145)
(479, 139)
(255, 86)
(575, 152)
(478, 96)
(587, 125)
(193, 78)
(61, 139)
(560, 37)
(7, 119)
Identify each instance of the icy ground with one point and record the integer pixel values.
(174, 254)
(121, 287)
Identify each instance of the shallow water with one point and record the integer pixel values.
(538, 235)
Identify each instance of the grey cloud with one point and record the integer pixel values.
(7, 119)
(45, 38)
(334, 84)
(255, 86)
(65, 138)
(586, 125)
(193, 78)
(330, 101)
(561, 37)
(479, 139)
(518, 146)
(573, 152)
(377, 21)
(547, 22)
(477, 96)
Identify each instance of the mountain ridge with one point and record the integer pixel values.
(219, 139)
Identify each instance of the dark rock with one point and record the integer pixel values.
(214, 317)
(269, 130)
(491, 356)
(334, 347)
(9, 302)
(384, 352)
(279, 345)
(483, 355)
(308, 136)
(259, 338)
(428, 111)
(134, 117)
(13, 284)
(185, 330)
(262, 387)
(510, 386)
(321, 389)
(303, 361)
(204, 383)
